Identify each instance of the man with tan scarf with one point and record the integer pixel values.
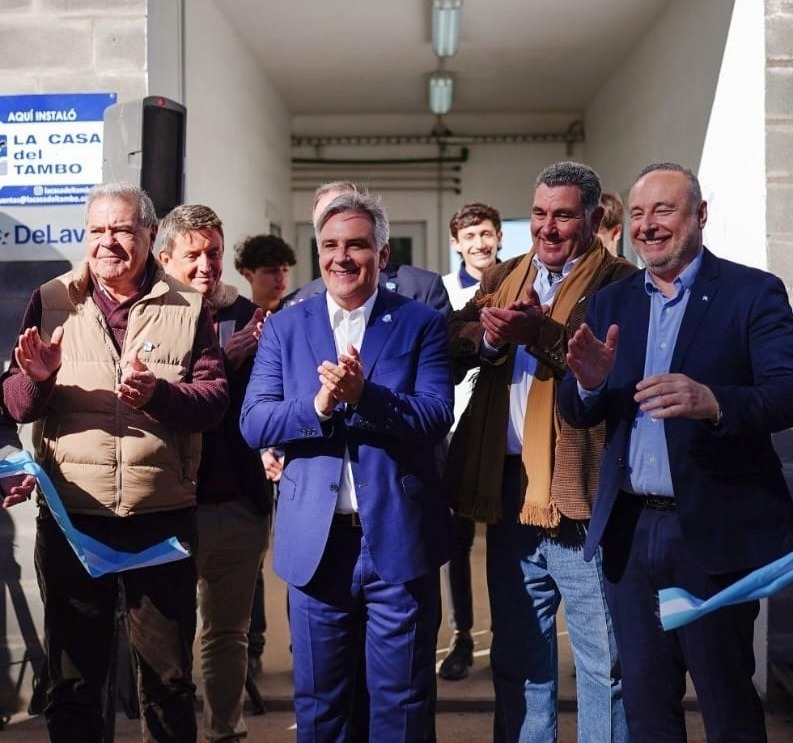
(516, 466)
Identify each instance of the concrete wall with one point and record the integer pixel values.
(238, 129)
(732, 167)
(73, 46)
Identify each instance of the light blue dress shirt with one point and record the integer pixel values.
(648, 458)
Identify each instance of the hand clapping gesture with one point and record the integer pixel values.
(37, 359)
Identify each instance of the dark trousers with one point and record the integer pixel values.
(644, 551)
(258, 626)
(459, 575)
(79, 615)
(346, 598)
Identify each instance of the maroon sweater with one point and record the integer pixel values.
(173, 404)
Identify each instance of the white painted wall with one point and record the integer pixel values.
(732, 170)
(499, 174)
(659, 103)
(238, 133)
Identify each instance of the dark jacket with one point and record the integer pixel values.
(229, 468)
(737, 338)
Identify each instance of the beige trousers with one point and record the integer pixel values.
(232, 539)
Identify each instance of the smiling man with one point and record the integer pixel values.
(234, 498)
(119, 367)
(475, 233)
(354, 385)
(514, 465)
(690, 365)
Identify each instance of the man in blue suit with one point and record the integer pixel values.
(409, 281)
(355, 386)
(694, 372)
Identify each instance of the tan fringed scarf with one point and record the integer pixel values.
(541, 424)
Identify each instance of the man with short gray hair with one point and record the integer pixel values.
(689, 365)
(354, 385)
(118, 366)
(516, 466)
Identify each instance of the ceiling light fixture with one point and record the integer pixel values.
(441, 89)
(446, 16)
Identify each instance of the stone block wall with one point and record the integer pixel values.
(779, 138)
(73, 46)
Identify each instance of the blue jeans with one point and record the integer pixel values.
(528, 574)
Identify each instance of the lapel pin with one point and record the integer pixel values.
(386, 318)
(704, 297)
(390, 285)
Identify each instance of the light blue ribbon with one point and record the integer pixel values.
(679, 607)
(97, 558)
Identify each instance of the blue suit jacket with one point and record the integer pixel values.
(409, 281)
(405, 409)
(737, 338)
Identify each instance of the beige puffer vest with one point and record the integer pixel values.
(105, 457)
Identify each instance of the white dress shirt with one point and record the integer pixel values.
(348, 329)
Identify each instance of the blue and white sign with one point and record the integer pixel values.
(50, 147)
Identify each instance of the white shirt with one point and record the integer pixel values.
(348, 329)
(458, 297)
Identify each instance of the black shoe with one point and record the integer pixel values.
(461, 655)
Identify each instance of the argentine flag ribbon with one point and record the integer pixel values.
(97, 558)
(678, 607)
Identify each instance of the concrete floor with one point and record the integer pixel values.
(464, 707)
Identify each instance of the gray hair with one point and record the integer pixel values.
(358, 203)
(570, 173)
(340, 186)
(694, 189)
(128, 192)
(183, 219)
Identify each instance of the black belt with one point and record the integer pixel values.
(658, 502)
(652, 501)
(349, 520)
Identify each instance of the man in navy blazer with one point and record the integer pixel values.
(355, 386)
(694, 373)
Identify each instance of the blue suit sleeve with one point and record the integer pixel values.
(269, 416)
(423, 411)
(765, 404)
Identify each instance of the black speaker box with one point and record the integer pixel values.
(144, 144)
